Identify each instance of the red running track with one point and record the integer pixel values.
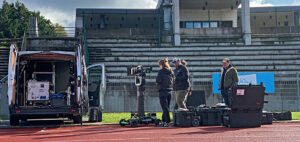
(279, 132)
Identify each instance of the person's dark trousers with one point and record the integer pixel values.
(226, 96)
(165, 98)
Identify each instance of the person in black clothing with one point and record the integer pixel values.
(182, 84)
(183, 62)
(164, 80)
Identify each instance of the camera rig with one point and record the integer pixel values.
(140, 81)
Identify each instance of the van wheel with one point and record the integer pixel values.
(77, 119)
(14, 121)
(100, 116)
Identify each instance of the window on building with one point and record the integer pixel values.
(189, 25)
(121, 25)
(270, 17)
(254, 17)
(107, 19)
(205, 24)
(213, 24)
(139, 18)
(278, 23)
(197, 24)
(239, 18)
(154, 18)
(136, 25)
(152, 25)
(286, 17)
(226, 24)
(182, 24)
(91, 18)
(286, 23)
(264, 23)
(123, 19)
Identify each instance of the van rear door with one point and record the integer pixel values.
(79, 74)
(13, 55)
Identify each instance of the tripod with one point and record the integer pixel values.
(140, 117)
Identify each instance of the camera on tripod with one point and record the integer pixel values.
(138, 71)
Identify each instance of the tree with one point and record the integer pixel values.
(14, 21)
(60, 31)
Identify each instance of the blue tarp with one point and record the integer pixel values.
(246, 78)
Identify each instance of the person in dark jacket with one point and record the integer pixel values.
(182, 84)
(165, 81)
(229, 79)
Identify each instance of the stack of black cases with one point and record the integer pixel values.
(190, 118)
(209, 116)
(199, 116)
(185, 118)
(267, 118)
(247, 102)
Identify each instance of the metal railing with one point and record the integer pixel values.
(85, 44)
(4, 79)
(55, 32)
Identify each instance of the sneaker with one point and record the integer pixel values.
(166, 125)
(162, 124)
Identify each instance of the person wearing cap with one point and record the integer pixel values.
(182, 84)
(229, 79)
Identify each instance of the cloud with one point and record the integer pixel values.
(64, 11)
(58, 16)
(259, 3)
(296, 2)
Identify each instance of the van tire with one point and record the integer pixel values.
(77, 119)
(14, 121)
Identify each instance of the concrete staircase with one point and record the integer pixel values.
(203, 60)
(211, 40)
(4, 55)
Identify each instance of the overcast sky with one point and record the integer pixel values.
(63, 11)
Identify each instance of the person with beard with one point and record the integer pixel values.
(229, 79)
(182, 86)
(165, 80)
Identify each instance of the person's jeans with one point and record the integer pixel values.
(165, 99)
(181, 98)
(226, 94)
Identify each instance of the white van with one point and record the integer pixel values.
(47, 84)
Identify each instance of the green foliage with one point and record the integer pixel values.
(60, 31)
(14, 21)
(3, 118)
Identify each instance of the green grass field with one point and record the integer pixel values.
(3, 118)
(3, 47)
(296, 115)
